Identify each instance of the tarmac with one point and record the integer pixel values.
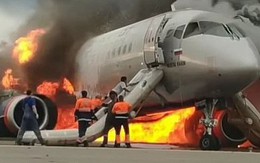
(140, 153)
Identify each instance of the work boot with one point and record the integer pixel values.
(128, 145)
(105, 140)
(117, 145)
(85, 143)
(18, 143)
(42, 141)
(103, 145)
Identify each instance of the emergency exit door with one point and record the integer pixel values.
(151, 40)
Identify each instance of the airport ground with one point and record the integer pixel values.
(143, 153)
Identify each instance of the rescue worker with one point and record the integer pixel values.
(121, 111)
(121, 87)
(97, 103)
(110, 117)
(84, 114)
(29, 120)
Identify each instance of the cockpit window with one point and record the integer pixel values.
(213, 28)
(192, 29)
(236, 30)
(179, 31)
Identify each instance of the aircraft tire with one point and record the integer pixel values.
(209, 142)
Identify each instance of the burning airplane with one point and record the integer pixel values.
(178, 59)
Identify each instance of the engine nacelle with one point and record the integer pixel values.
(228, 134)
(12, 113)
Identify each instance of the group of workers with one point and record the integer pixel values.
(117, 114)
(116, 108)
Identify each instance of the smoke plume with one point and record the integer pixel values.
(70, 23)
(247, 8)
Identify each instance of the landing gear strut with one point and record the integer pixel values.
(209, 141)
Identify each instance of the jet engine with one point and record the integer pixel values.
(229, 135)
(11, 114)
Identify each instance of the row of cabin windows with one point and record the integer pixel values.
(121, 50)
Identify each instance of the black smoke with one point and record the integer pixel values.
(247, 8)
(70, 23)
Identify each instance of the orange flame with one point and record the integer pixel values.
(167, 130)
(158, 128)
(48, 89)
(27, 46)
(8, 80)
(66, 119)
(67, 86)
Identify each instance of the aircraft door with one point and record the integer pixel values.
(151, 54)
(172, 46)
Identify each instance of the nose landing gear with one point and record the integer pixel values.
(209, 141)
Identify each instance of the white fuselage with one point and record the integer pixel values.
(214, 62)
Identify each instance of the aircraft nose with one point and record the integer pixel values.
(247, 61)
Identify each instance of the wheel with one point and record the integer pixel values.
(209, 142)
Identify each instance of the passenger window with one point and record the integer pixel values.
(191, 30)
(119, 50)
(130, 48)
(114, 53)
(212, 28)
(124, 50)
(179, 31)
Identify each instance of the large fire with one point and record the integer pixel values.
(160, 128)
(50, 89)
(167, 130)
(27, 46)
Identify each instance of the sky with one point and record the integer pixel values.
(13, 13)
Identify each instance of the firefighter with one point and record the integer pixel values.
(121, 111)
(110, 117)
(29, 120)
(97, 103)
(84, 114)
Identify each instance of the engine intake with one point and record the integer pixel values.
(12, 114)
(228, 134)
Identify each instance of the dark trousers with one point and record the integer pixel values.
(121, 122)
(29, 124)
(108, 126)
(118, 123)
(82, 127)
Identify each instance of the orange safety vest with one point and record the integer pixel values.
(121, 108)
(84, 105)
(96, 103)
